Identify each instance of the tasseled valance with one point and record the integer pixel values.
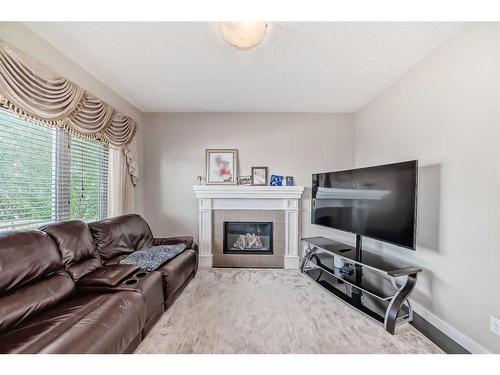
(33, 91)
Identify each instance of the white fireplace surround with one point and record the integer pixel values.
(217, 197)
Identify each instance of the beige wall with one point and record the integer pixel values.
(21, 37)
(290, 144)
(445, 113)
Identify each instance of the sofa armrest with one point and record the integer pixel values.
(187, 240)
(108, 276)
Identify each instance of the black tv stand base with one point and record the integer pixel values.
(377, 286)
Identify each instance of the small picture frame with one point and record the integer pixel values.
(221, 165)
(290, 181)
(244, 180)
(276, 180)
(259, 176)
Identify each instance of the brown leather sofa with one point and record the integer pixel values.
(62, 289)
(119, 236)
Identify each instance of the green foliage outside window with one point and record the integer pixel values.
(47, 175)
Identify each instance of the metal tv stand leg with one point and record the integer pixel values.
(391, 314)
(311, 251)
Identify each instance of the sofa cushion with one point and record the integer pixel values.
(77, 247)
(32, 278)
(26, 256)
(176, 272)
(121, 235)
(88, 323)
(186, 240)
(21, 304)
(109, 276)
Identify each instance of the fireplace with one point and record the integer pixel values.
(244, 237)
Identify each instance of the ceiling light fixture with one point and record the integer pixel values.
(243, 35)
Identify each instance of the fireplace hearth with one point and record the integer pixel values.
(241, 237)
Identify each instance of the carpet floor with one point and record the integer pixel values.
(270, 311)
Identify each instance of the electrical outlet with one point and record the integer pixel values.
(495, 325)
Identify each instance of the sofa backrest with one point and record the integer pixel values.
(121, 235)
(32, 277)
(77, 247)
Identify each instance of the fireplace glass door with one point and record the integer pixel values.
(241, 237)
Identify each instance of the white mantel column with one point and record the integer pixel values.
(205, 232)
(291, 260)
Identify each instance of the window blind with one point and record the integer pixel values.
(88, 175)
(47, 175)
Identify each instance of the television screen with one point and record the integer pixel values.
(377, 202)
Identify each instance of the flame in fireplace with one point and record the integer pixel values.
(248, 241)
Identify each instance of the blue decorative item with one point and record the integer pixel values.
(290, 181)
(276, 180)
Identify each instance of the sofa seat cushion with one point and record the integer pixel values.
(108, 277)
(176, 272)
(21, 304)
(87, 323)
(116, 261)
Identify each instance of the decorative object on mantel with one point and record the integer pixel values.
(199, 179)
(259, 176)
(221, 166)
(244, 180)
(290, 181)
(276, 180)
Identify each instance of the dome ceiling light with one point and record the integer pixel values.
(243, 35)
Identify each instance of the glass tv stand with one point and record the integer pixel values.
(373, 284)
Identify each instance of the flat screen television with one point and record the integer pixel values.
(377, 202)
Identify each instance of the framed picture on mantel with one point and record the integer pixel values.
(221, 166)
(259, 176)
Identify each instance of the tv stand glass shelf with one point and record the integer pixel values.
(375, 285)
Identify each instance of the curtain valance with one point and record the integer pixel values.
(33, 91)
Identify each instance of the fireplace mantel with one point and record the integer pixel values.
(217, 197)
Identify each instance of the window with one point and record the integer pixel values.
(47, 175)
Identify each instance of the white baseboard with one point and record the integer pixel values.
(206, 261)
(291, 262)
(450, 331)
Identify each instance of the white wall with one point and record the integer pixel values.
(289, 144)
(21, 37)
(445, 113)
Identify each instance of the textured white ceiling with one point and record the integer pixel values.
(299, 67)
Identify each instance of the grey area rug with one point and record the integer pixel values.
(270, 311)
